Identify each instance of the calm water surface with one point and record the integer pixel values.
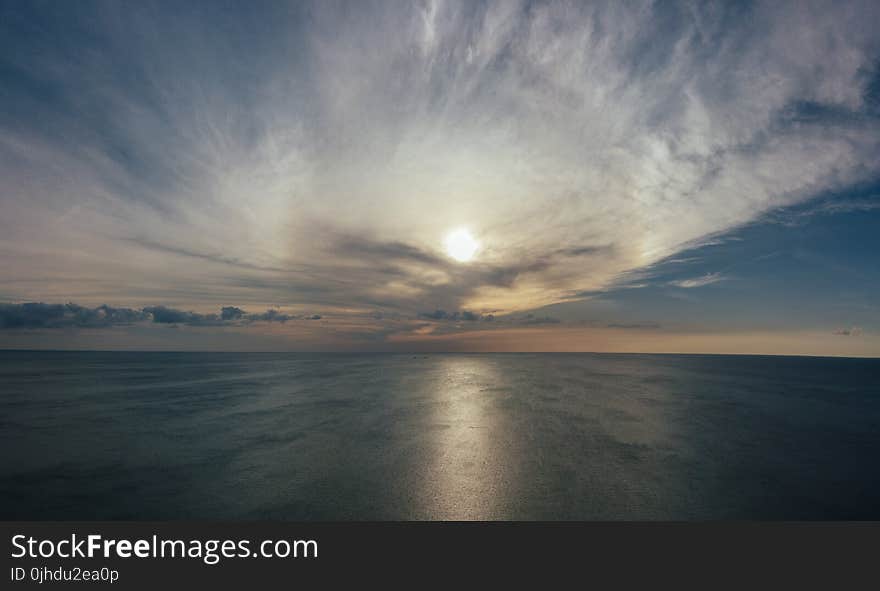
(510, 436)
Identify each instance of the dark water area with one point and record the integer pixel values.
(88, 435)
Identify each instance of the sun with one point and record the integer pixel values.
(460, 245)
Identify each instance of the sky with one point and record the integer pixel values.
(631, 176)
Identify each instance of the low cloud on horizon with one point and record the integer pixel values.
(41, 315)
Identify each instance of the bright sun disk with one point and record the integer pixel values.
(460, 245)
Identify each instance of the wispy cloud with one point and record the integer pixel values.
(707, 279)
(315, 155)
(801, 215)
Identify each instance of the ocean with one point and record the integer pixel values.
(148, 436)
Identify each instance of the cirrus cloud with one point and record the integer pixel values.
(316, 154)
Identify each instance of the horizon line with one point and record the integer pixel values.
(277, 352)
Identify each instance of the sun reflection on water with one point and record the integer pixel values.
(466, 478)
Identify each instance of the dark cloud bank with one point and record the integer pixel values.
(40, 315)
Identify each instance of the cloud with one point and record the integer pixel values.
(578, 251)
(465, 315)
(473, 317)
(184, 252)
(847, 332)
(231, 313)
(361, 247)
(532, 319)
(435, 315)
(269, 316)
(284, 165)
(163, 315)
(795, 216)
(707, 279)
(469, 316)
(634, 325)
(40, 315)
